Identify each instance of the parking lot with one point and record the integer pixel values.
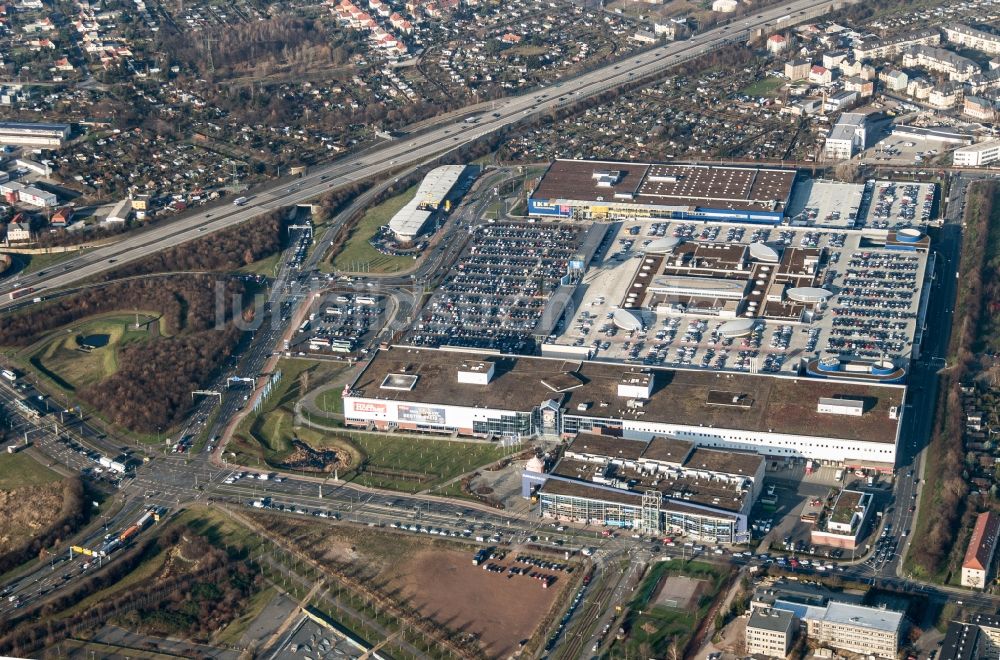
(346, 322)
(871, 313)
(498, 290)
(900, 205)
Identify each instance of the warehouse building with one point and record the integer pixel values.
(410, 389)
(432, 195)
(30, 134)
(603, 190)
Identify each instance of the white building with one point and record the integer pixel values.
(433, 192)
(855, 628)
(846, 138)
(725, 6)
(19, 232)
(121, 212)
(410, 389)
(37, 197)
(977, 155)
(33, 134)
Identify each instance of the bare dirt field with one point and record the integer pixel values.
(680, 592)
(436, 577)
(501, 611)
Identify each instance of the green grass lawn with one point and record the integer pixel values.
(398, 462)
(331, 401)
(765, 87)
(22, 470)
(436, 460)
(62, 361)
(263, 266)
(269, 430)
(357, 249)
(654, 629)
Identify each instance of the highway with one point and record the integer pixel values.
(399, 153)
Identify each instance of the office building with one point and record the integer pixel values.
(977, 155)
(847, 137)
(770, 632)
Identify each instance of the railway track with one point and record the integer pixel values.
(589, 616)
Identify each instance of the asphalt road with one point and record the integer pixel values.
(399, 153)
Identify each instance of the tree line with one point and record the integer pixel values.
(187, 303)
(228, 249)
(212, 593)
(946, 499)
(152, 387)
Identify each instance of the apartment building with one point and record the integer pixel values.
(979, 108)
(975, 639)
(957, 68)
(797, 69)
(980, 40)
(876, 49)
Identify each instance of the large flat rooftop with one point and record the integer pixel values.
(668, 185)
(773, 404)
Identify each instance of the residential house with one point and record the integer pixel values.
(863, 88)
(981, 550)
(894, 80)
(644, 37)
(797, 69)
(62, 217)
(19, 230)
(776, 43)
(820, 75)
